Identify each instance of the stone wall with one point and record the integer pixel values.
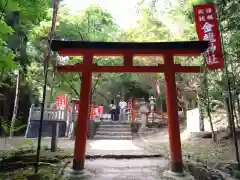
(92, 128)
(135, 126)
(33, 128)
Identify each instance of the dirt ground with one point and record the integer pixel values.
(202, 149)
(198, 148)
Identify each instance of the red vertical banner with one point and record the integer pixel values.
(62, 101)
(59, 102)
(205, 16)
(100, 110)
(130, 104)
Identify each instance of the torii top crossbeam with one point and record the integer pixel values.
(78, 48)
(128, 50)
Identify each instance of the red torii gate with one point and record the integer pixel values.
(128, 50)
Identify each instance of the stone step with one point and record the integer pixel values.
(105, 133)
(115, 122)
(98, 137)
(114, 126)
(114, 129)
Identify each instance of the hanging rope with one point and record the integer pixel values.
(46, 64)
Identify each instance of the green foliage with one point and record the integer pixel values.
(91, 24)
(16, 17)
(31, 12)
(6, 55)
(157, 21)
(6, 126)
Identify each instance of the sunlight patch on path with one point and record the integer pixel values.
(113, 145)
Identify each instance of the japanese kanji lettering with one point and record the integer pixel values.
(209, 37)
(207, 27)
(207, 30)
(202, 18)
(200, 11)
(209, 10)
(210, 17)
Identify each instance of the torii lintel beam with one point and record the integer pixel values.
(128, 69)
(79, 48)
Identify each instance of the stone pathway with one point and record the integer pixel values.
(111, 159)
(133, 169)
(94, 147)
(113, 145)
(116, 147)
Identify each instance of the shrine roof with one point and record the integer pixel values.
(182, 47)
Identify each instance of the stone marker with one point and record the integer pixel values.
(143, 110)
(54, 140)
(152, 104)
(193, 120)
(91, 128)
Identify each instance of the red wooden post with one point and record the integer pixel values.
(82, 122)
(172, 112)
(133, 114)
(92, 113)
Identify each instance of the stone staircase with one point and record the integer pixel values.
(119, 130)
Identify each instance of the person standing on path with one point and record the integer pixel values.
(112, 107)
(117, 112)
(123, 106)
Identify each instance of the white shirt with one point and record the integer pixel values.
(112, 106)
(122, 104)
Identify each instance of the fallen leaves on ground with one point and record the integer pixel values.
(197, 149)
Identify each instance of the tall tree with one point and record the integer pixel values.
(18, 17)
(91, 24)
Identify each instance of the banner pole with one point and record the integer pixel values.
(229, 91)
(206, 94)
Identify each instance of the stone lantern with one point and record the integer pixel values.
(143, 110)
(152, 101)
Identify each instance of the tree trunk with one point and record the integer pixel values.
(15, 108)
(210, 121)
(238, 108)
(230, 132)
(51, 90)
(235, 114)
(184, 108)
(208, 102)
(53, 80)
(201, 116)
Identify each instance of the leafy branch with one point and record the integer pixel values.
(70, 84)
(3, 9)
(7, 128)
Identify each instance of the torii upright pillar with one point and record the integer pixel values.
(83, 113)
(128, 51)
(172, 113)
